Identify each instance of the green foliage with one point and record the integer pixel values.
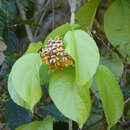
(117, 26)
(7, 14)
(114, 63)
(52, 110)
(24, 2)
(16, 115)
(69, 87)
(11, 41)
(46, 124)
(60, 31)
(44, 74)
(84, 51)
(86, 13)
(72, 100)
(110, 94)
(8, 8)
(3, 19)
(116, 22)
(124, 49)
(26, 79)
(14, 95)
(34, 47)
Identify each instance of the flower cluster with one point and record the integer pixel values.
(54, 56)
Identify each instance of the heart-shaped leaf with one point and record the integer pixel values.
(117, 22)
(84, 51)
(34, 47)
(15, 96)
(26, 79)
(86, 13)
(114, 63)
(110, 94)
(60, 31)
(71, 100)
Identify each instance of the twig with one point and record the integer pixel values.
(90, 126)
(11, 26)
(72, 4)
(100, 39)
(23, 16)
(70, 125)
(127, 101)
(53, 13)
(38, 11)
(112, 48)
(41, 18)
(125, 124)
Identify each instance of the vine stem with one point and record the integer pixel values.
(72, 4)
(70, 125)
(23, 16)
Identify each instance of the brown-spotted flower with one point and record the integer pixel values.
(54, 55)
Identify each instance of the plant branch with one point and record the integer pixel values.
(91, 125)
(72, 4)
(70, 125)
(42, 16)
(127, 100)
(23, 16)
(125, 124)
(53, 15)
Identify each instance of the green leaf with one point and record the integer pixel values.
(44, 75)
(46, 124)
(114, 63)
(116, 22)
(83, 49)
(24, 2)
(86, 13)
(110, 94)
(51, 109)
(16, 115)
(60, 31)
(34, 47)
(14, 95)
(26, 79)
(9, 8)
(124, 49)
(94, 89)
(71, 100)
(11, 41)
(3, 19)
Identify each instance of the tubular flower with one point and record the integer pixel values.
(54, 55)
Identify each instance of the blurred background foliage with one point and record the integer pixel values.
(25, 21)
